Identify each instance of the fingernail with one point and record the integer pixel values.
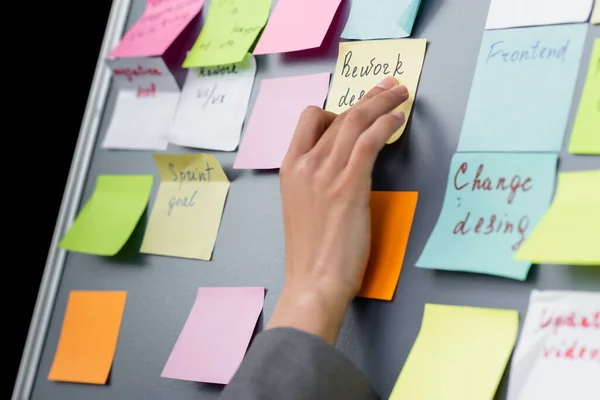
(400, 116)
(388, 83)
(401, 90)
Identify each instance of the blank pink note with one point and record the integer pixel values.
(297, 25)
(275, 116)
(216, 335)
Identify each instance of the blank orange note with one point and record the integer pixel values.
(88, 339)
(391, 218)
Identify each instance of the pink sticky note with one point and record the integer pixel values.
(297, 25)
(158, 27)
(273, 121)
(215, 337)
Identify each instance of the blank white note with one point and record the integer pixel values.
(514, 13)
(145, 105)
(213, 106)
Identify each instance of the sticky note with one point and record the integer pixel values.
(395, 19)
(568, 233)
(230, 29)
(88, 339)
(274, 118)
(558, 353)
(110, 216)
(189, 204)
(145, 107)
(516, 13)
(460, 353)
(585, 138)
(362, 65)
(492, 202)
(158, 27)
(297, 25)
(509, 108)
(391, 219)
(213, 106)
(595, 19)
(216, 335)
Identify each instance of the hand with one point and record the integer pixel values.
(325, 189)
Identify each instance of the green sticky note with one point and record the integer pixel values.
(230, 29)
(459, 354)
(110, 215)
(585, 138)
(569, 232)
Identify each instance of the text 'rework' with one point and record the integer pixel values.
(492, 202)
(362, 65)
(460, 353)
(189, 204)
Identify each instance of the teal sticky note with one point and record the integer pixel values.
(493, 201)
(381, 19)
(523, 88)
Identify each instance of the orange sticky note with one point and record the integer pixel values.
(88, 339)
(391, 218)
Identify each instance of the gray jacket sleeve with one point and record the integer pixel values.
(288, 364)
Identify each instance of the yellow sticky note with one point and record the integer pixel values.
(459, 354)
(585, 138)
(230, 29)
(362, 65)
(187, 212)
(596, 13)
(88, 338)
(569, 232)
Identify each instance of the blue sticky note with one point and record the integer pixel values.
(493, 201)
(381, 19)
(522, 89)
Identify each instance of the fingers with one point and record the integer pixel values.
(388, 83)
(313, 122)
(360, 118)
(369, 144)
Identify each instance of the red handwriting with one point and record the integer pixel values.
(493, 224)
(130, 73)
(574, 351)
(570, 320)
(143, 92)
(513, 185)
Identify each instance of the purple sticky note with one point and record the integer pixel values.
(274, 117)
(215, 337)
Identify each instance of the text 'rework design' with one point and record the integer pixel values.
(460, 353)
(558, 353)
(297, 25)
(516, 13)
(569, 232)
(278, 107)
(585, 138)
(188, 207)
(109, 217)
(362, 65)
(145, 106)
(395, 19)
(391, 219)
(230, 29)
(88, 338)
(213, 106)
(158, 27)
(493, 201)
(215, 337)
(522, 89)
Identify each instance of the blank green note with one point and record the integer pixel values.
(585, 138)
(569, 232)
(110, 215)
(460, 354)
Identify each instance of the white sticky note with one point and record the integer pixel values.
(145, 105)
(213, 105)
(558, 353)
(514, 13)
